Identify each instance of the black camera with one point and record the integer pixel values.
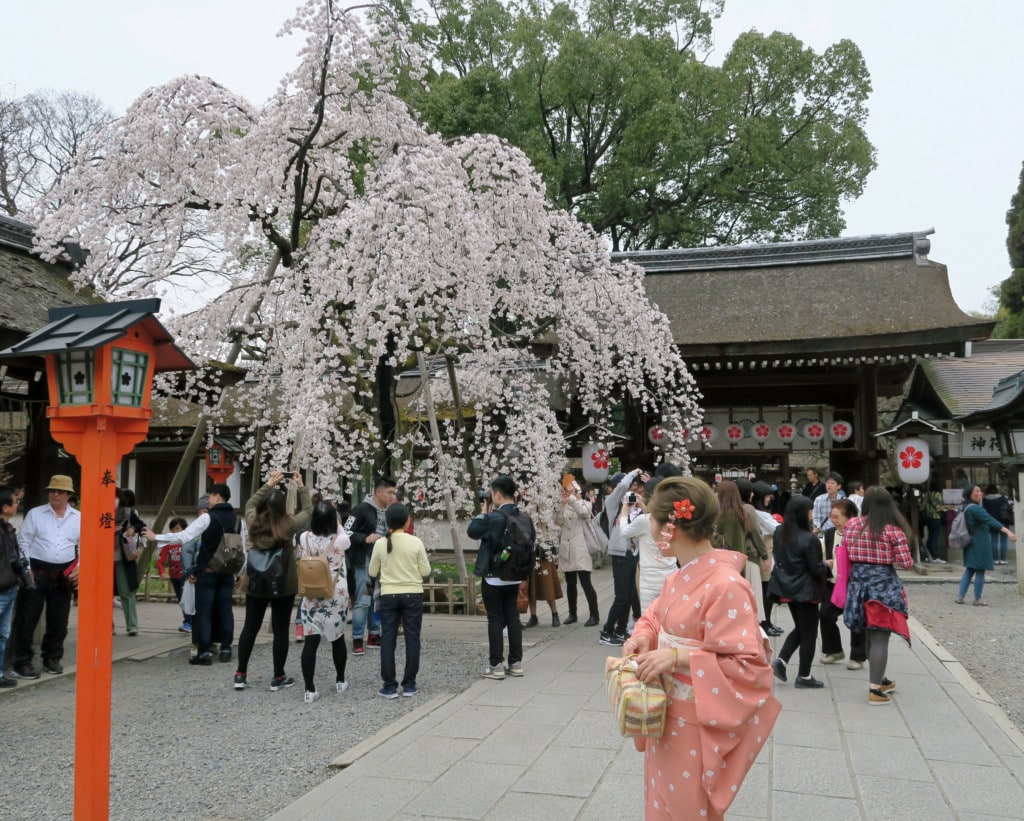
(631, 498)
(287, 474)
(483, 495)
(20, 567)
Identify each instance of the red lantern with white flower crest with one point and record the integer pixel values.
(913, 460)
(708, 434)
(655, 435)
(734, 433)
(760, 432)
(814, 432)
(841, 431)
(786, 432)
(595, 463)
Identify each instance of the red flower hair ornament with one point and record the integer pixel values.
(683, 509)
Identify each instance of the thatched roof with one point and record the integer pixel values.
(851, 296)
(30, 286)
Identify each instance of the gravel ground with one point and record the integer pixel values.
(185, 744)
(988, 641)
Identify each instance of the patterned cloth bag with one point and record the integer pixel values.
(639, 708)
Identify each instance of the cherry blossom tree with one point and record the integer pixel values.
(331, 239)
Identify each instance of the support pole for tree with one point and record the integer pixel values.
(442, 467)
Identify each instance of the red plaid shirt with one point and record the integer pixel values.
(865, 547)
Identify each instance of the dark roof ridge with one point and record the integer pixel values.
(800, 252)
(16, 233)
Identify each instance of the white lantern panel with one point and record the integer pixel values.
(761, 431)
(841, 431)
(814, 431)
(913, 460)
(595, 463)
(655, 435)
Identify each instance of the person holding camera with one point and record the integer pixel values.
(49, 537)
(271, 528)
(621, 502)
(574, 559)
(365, 525)
(13, 569)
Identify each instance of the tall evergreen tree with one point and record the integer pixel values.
(1011, 290)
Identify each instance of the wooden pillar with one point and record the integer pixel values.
(866, 413)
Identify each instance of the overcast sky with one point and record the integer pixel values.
(944, 114)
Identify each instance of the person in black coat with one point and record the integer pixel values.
(798, 579)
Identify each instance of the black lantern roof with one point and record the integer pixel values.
(88, 327)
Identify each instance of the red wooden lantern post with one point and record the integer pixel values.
(100, 361)
(220, 462)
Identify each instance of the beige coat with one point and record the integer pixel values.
(573, 554)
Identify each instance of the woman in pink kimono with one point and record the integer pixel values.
(701, 635)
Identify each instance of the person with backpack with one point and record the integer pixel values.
(324, 616)
(214, 588)
(978, 553)
(502, 532)
(270, 567)
(399, 561)
(1000, 508)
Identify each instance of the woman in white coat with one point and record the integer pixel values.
(572, 516)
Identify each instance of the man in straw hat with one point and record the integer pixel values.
(49, 537)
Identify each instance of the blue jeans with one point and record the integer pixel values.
(1000, 544)
(624, 584)
(213, 607)
(361, 609)
(7, 599)
(406, 608)
(979, 582)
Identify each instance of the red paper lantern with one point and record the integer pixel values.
(814, 432)
(913, 460)
(655, 435)
(595, 463)
(841, 431)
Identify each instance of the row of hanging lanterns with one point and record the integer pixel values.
(761, 431)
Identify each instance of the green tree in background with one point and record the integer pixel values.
(1010, 316)
(635, 133)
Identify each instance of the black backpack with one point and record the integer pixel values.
(515, 558)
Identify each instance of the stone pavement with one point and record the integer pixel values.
(544, 747)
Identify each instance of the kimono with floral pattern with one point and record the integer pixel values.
(326, 617)
(722, 713)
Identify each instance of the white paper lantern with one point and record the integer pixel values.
(655, 435)
(760, 432)
(708, 434)
(841, 431)
(734, 433)
(595, 463)
(814, 431)
(786, 432)
(913, 460)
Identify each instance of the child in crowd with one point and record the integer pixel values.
(171, 558)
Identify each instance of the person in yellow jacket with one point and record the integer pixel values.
(400, 563)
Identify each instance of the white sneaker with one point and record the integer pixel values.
(310, 697)
(497, 673)
(340, 686)
(939, 561)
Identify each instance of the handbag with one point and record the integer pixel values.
(523, 599)
(131, 547)
(639, 708)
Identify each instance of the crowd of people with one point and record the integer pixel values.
(696, 573)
